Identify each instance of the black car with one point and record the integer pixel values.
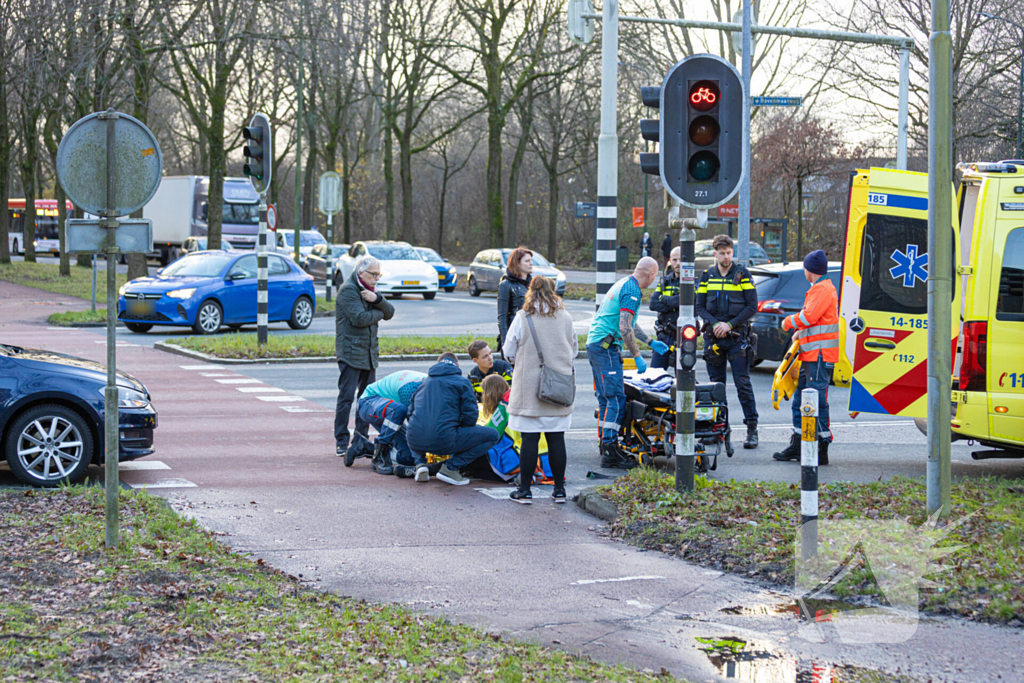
(51, 415)
(780, 291)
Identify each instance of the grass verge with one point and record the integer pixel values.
(749, 528)
(71, 318)
(171, 603)
(46, 276)
(243, 345)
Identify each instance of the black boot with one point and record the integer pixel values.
(382, 459)
(751, 440)
(792, 451)
(823, 451)
(613, 458)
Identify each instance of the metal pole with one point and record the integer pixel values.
(607, 153)
(1020, 102)
(901, 126)
(110, 409)
(330, 256)
(685, 378)
(940, 259)
(743, 227)
(94, 283)
(808, 473)
(261, 274)
(298, 147)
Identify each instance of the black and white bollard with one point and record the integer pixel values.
(261, 275)
(809, 473)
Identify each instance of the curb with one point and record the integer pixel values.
(590, 500)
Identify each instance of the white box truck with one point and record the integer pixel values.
(179, 210)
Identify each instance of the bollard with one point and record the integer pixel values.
(330, 256)
(262, 293)
(809, 473)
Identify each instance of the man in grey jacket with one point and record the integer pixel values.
(356, 314)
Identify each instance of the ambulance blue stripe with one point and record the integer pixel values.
(861, 400)
(902, 201)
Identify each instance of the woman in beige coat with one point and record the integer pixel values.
(528, 414)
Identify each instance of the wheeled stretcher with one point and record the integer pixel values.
(650, 424)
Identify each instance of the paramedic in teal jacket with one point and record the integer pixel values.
(384, 404)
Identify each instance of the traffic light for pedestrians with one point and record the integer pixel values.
(257, 152)
(700, 131)
(689, 346)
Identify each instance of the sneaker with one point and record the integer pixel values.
(791, 452)
(450, 476)
(405, 471)
(559, 494)
(422, 473)
(522, 497)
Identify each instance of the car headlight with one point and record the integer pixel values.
(121, 291)
(128, 398)
(452, 270)
(560, 277)
(182, 293)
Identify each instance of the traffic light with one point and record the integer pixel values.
(688, 334)
(257, 152)
(700, 131)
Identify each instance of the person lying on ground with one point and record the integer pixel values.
(384, 405)
(442, 419)
(486, 365)
(504, 457)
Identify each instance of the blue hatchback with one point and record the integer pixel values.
(446, 276)
(51, 415)
(207, 289)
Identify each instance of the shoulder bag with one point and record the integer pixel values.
(554, 387)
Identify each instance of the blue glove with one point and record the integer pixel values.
(641, 364)
(659, 347)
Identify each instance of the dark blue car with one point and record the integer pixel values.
(207, 289)
(51, 415)
(446, 276)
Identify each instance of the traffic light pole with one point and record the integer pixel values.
(686, 400)
(607, 154)
(261, 275)
(743, 248)
(330, 256)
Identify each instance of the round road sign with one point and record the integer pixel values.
(271, 216)
(82, 163)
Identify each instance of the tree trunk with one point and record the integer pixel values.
(495, 217)
(308, 200)
(405, 174)
(5, 153)
(218, 164)
(389, 183)
(526, 123)
(346, 182)
(28, 181)
(552, 169)
(142, 72)
(799, 218)
(440, 212)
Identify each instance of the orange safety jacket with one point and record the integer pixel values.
(817, 324)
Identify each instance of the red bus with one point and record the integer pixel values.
(46, 238)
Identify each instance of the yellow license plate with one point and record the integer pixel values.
(141, 307)
(410, 282)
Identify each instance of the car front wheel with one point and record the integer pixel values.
(450, 289)
(302, 314)
(49, 445)
(140, 328)
(473, 289)
(208, 318)
(429, 295)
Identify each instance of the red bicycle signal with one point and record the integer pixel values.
(704, 95)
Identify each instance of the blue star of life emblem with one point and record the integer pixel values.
(910, 266)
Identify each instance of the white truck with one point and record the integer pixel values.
(179, 211)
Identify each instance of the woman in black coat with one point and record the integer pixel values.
(512, 289)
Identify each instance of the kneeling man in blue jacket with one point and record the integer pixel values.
(442, 420)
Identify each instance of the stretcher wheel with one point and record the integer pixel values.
(728, 445)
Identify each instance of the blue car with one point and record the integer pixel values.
(51, 415)
(445, 271)
(207, 289)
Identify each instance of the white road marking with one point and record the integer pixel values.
(253, 390)
(835, 425)
(317, 393)
(299, 409)
(140, 465)
(116, 343)
(588, 582)
(281, 399)
(502, 493)
(167, 484)
(241, 380)
(217, 374)
(204, 366)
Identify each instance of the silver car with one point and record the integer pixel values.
(489, 265)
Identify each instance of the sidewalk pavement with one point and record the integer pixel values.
(257, 465)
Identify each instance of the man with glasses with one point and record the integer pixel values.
(358, 310)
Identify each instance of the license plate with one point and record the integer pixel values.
(440, 277)
(705, 414)
(141, 307)
(410, 282)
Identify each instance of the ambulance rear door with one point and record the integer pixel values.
(849, 289)
(890, 364)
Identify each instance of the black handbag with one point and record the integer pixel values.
(554, 387)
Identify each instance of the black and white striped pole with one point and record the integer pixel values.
(259, 160)
(808, 473)
(261, 275)
(686, 348)
(608, 154)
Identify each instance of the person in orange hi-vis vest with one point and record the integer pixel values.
(817, 327)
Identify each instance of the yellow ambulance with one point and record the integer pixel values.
(884, 301)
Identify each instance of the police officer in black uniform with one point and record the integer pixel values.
(726, 301)
(665, 302)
